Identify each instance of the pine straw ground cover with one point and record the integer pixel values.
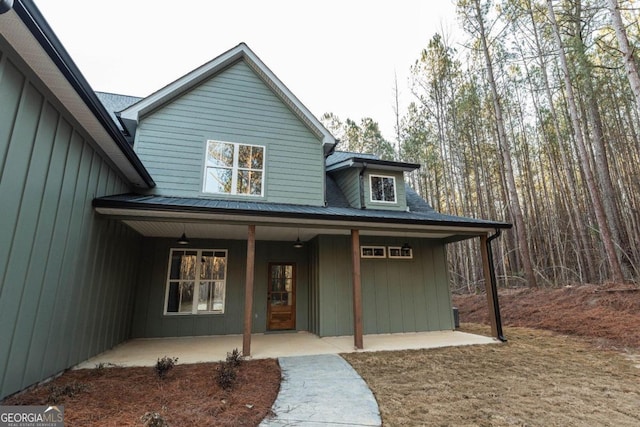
(607, 315)
(538, 378)
(188, 396)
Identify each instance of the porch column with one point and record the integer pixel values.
(488, 285)
(357, 290)
(248, 291)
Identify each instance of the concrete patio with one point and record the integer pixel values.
(146, 351)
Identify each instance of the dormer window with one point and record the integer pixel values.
(383, 188)
(233, 168)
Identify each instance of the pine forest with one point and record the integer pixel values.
(533, 119)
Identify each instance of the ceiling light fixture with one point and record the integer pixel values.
(183, 239)
(298, 244)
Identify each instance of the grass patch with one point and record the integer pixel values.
(538, 378)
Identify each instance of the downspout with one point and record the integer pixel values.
(494, 286)
(324, 165)
(361, 183)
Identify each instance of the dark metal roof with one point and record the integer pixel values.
(423, 215)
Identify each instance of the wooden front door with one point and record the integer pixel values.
(281, 296)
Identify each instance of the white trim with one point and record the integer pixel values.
(400, 255)
(395, 193)
(235, 168)
(196, 287)
(131, 115)
(335, 224)
(375, 251)
(29, 49)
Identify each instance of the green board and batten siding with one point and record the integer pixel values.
(233, 106)
(67, 275)
(149, 320)
(398, 295)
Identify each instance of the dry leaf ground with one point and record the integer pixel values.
(582, 375)
(536, 379)
(587, 373)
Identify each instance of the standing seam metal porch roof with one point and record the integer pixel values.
(423, 215)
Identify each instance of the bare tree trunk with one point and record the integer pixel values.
(396, 110)
(521, 232)
(605, 232)
(575, 217)
(626, 50)
(600, 160)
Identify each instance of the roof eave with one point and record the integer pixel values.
(360, 162)
(132, 114)
(36, 38)
(107, 206)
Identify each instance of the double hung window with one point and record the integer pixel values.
(196, 282)
(232, 168)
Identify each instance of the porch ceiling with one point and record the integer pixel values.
(288, 232)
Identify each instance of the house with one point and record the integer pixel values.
(217, 205)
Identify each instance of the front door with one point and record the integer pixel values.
(281, 296)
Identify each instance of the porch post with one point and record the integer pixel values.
(248, 291)
(357, 290)
(488, 285)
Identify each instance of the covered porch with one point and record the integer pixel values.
(336, 304)
(146, 351)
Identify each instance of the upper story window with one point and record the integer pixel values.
(233, 168)
(383, 188)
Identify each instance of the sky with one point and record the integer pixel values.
(339, 56)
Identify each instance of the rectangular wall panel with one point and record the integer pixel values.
(66, 273)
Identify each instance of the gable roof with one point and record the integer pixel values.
(130, 116)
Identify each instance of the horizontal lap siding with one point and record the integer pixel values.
(349, 182)
(401, 195)
(233, 106)
(66, 274)
(398, 295)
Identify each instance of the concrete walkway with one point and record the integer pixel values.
(322, 390)
(319, 388)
